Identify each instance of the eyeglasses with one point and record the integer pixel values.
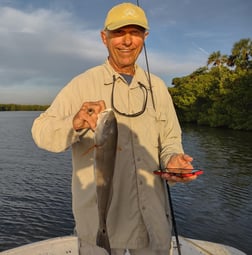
(145, 95)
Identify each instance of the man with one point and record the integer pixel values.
(149, 137)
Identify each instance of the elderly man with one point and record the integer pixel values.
(149, 138)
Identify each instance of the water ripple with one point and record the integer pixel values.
(35, 202)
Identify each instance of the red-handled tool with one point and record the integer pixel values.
(168, 170)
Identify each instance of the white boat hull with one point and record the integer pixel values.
(55, 246)
(69, 245)
(197, 247)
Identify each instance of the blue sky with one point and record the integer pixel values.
(45, 43)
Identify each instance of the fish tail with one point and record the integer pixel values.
(102, 240)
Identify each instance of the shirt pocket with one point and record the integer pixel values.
(151, 130)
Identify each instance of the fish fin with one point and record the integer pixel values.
(102, 240)
(89, 150)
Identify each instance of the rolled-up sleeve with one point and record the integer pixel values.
(53, 129)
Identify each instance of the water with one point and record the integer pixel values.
(35, 201)
(35, 187)
(218, 206)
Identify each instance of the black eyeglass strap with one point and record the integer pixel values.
(145, 94)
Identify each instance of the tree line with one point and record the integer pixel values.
(218, 94)
(19, 107)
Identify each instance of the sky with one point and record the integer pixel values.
(45, 43)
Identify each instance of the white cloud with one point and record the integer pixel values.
(43, 49)
(168, 65)
(41, 42)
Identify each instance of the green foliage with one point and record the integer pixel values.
(219, 94)
(18, 107)
(241, 56)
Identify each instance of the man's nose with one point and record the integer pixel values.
(127, 39)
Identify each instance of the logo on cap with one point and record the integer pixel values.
(130, 12)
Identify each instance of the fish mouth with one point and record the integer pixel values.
(106, 121)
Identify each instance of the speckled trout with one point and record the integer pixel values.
(105, 138)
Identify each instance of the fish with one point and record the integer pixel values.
(105, 140)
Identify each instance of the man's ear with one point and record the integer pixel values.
(146, 34)
(104, 37)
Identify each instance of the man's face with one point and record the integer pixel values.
(124, 46)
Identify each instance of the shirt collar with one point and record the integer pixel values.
(139, 73)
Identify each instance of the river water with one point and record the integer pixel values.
(35, 187)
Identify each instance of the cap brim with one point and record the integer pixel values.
(125, 23)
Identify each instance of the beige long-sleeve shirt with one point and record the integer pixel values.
(137, 216)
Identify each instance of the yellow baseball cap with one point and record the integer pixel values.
(125, 14)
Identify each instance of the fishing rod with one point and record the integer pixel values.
(173, 217)
(167, 185)
(148, 70)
